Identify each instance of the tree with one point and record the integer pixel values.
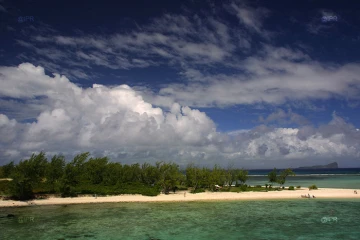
(55, 170)
(112, 174)
(8, 169)
(131, 173)
(273, 176)
(231, 174)
(28, 174)
(21, 187)
(194, 176)
(283, 175)
(243, 176)
(149, 174)
(74, 173)
(95, 168)
(169, 175)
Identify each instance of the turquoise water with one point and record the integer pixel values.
(321, 181)
(288, 219)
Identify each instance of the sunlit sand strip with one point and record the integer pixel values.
(182, 196)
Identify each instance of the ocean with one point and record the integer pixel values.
(246, 219)
(322, 178)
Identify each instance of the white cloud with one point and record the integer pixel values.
(274, 76)
(118, 121)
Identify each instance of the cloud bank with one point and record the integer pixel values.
(118, 122)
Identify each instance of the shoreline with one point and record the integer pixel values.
(323, 193)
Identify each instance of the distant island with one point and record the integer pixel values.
(330, 165)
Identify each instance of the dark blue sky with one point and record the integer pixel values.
(244, 64)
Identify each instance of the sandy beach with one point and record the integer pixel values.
(180, 196)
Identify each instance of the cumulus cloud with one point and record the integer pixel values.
(117, 121)
(274, 76)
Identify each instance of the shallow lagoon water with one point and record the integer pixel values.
(264, 219)
(321, 181)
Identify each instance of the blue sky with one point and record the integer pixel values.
(254, 83)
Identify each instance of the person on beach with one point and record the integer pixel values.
(313, 196)
(355, 191)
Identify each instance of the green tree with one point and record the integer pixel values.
(231, 175)
(55, 170)
(194, 176)
(283, 175)
(74, 171)
(169, 175)
(95, 169)
(74, 174)
(243, 176)
(21, 187)
(112, 174)
(273, 176)
(131, 173)
(8, 169)
(28, 174)
(149, 174)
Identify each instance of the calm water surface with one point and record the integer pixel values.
(288, 219)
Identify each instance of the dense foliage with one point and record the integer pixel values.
(87, 175)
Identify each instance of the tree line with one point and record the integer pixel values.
(88, 175)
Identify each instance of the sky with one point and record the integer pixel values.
(255, 84)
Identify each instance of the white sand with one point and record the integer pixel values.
(179, 196)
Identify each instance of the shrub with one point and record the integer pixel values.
(298, 186)
(243, 187)
(67, 191)
(4, 187)
(291, 188)
(197, 190)
(313, 187)
(150, 192)
(283, 187)
(258, 186)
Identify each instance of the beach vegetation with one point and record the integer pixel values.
(298, 186)
(291, 188)
(197, 190)
(313, 187)
(55, 170)
(87, 175)
(243, 187)
(7, 170)
(281, 179)
(273, 176)
(4, 187)
(231, 175)
(243, 176)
